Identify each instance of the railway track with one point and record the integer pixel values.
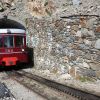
(81, 95)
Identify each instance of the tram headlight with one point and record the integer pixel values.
(23, 50)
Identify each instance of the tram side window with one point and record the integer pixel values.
(8, 41)
(19, 41)
(1, 41)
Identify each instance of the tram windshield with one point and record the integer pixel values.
(11, 41)
(19, 41)
(1, 41)
(8, 41)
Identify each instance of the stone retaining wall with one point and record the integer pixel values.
(69, 45)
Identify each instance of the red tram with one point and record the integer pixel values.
(12, 47)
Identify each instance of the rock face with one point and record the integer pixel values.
(66, 43)
(57, 45)
(65, 34)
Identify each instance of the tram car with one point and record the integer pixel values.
(13, 49)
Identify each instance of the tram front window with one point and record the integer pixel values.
(1, 41)
(19, 41)
(8, 41)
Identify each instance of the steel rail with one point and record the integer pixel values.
(81, 95)
(13, 75)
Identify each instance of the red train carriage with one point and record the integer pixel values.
(13, 47)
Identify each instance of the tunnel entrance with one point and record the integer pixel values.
(6, 23)
(9, 23)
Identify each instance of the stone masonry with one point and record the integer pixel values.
(68, 45)
(65, 34)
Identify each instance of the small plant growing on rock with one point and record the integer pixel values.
(86, 79)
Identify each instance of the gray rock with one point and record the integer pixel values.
(83, 46)
(84, 31)
(98, 74)
(87, 56)
(85, 65)
(87, 42)
(70, 39)
(94, 66)
(90, 23)
(91, 33)
(79, 33)
(88, 72)
(1, 9)
(97, 44)
(76, 2)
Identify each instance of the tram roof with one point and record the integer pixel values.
(12, 31)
